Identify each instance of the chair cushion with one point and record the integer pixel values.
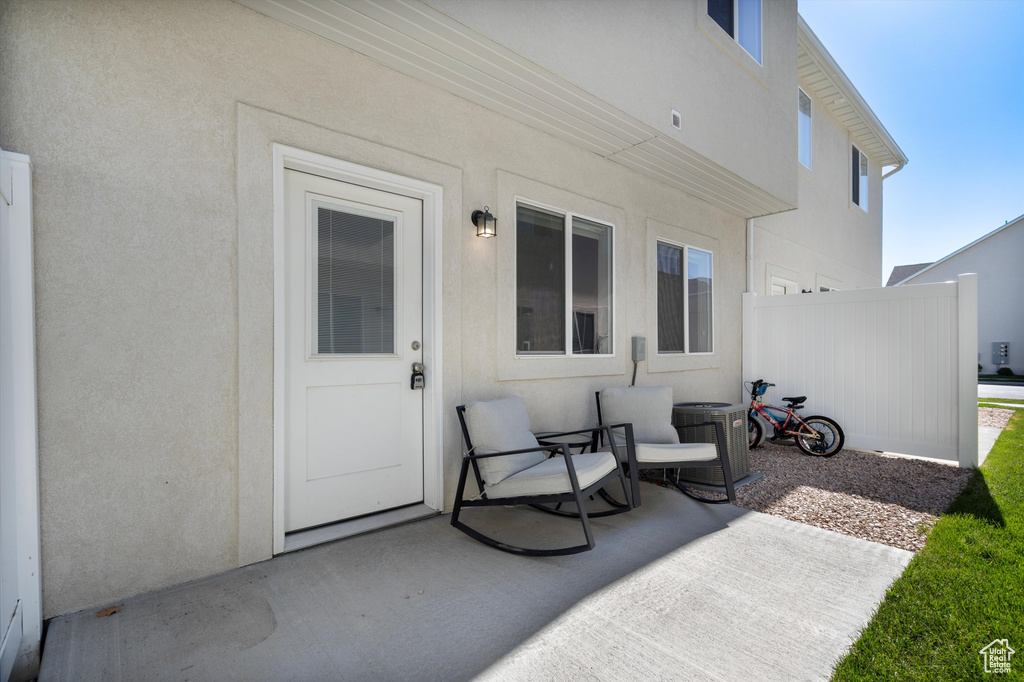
(657, 453)
(683, 452)
(550, 477)
(498, 425)
(648, 409)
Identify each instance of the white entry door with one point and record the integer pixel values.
(354, 317)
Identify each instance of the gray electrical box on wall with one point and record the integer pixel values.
(639, 349)
(1000, 352)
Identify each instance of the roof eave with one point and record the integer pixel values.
(831, 71)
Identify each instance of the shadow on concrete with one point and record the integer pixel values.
(417, 602)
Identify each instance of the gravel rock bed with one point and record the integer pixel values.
(993, 416)
(883, 498)
(886, 499)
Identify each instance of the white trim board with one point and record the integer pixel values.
(432, 197)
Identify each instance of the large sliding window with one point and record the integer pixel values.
(563, 283)
(741, 19)
(804, 117)
(685, 304)
(859, 176)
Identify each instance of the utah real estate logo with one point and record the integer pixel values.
(997, 656)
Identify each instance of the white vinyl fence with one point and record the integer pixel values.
(896, 366)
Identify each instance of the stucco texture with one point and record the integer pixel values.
(154, 279)
(828, 241)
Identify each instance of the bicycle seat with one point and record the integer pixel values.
(797, 399)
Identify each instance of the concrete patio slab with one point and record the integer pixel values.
(673, 590)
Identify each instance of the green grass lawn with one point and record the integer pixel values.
(1014, 401)
(963, 590)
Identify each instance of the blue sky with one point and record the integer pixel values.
(946, 78)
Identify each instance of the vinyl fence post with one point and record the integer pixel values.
(967, 328)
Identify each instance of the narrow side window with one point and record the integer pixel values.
(685, 307)
(804, 117)
(859, 178)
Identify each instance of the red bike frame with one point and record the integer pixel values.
(782, 428)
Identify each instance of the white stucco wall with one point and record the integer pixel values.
(997, 262)
(149, 126)
(828, 240)
(648, 57)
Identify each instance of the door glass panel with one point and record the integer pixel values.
(355, 286)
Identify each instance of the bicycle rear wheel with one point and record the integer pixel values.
(829, 441)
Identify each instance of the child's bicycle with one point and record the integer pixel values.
(819, 436)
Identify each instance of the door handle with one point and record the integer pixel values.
(417, 380)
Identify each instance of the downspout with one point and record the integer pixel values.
(750, 255)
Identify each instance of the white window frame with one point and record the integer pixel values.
(736, 28)
(810, 130)
(686, 307)
(863, 203)
(788, 285)
(567, 217)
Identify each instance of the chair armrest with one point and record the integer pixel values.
(590, 429)
(539, 448)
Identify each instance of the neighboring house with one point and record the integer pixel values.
(901, 272)
(996, 258)
(834, 239)
(253, 218)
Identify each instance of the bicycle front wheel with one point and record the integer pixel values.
(754, 431)
(828, 438)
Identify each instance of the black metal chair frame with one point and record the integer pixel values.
(577, 495)
(722, 460)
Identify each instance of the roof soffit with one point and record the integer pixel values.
(819, 73)
(428, 45)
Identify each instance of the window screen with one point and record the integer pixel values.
(671, 300)
(698, 281)
(540, 281)
(591, 287)
(859, 176)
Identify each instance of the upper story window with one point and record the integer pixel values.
(804, 116)
(859, 178)
(563, 283)
(685, 323)
(741, 19)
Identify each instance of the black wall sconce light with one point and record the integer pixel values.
(485, 223)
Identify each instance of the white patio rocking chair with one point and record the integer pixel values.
(641, 420)
(511, 468)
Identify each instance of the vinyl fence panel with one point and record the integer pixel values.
(896, 367)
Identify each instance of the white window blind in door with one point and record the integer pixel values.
(355, 285)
